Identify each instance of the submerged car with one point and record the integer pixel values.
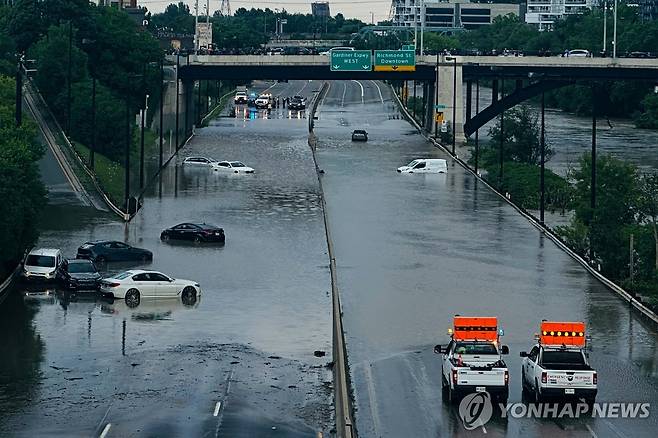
(359, 135)
(297, 103)
(232, 167)
(79, 274)
(101, 251)
(42, 264)
(199, 161)
(431, 165)
(194, 232)
(133, 285)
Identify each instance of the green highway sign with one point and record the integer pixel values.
(351, 60)
(395, 60)
(439, 106)
(409, 47)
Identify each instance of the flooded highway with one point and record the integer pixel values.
(251, 357)
(414, 250)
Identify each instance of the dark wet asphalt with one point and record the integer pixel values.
(413, 250)
(71, 366)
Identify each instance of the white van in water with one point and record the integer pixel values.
(430, 165)
(42, 264)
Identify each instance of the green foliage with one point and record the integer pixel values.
(648, 115)
(21, 190)
(576, 235)
(435, 42)
(521, 136)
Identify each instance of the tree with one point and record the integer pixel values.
(648, 206)
(648, 116)
(21, 189)
(615, 211)
(521, 132)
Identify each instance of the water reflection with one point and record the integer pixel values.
(22, 352)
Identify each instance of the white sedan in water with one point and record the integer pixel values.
(231, 167)
(135, 284)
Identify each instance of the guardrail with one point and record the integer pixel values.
(34, 91)
(342, 401)
(621, 292)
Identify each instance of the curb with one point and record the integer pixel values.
(634, 303)
(9, 281)
(342, 402)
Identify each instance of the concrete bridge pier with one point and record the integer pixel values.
(451, 94)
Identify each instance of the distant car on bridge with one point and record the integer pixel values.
(579, 53)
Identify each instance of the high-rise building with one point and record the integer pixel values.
(460, 13)
(320, 9)
(648, 9)
(544, 13)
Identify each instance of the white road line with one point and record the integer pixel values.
(342, 102)
(360, 85)
(378, 89)
(305, 84)
(218, 406)
(612, 427)
(589, 429)
(106, 430)
(270, 87)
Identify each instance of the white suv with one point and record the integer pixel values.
(42, 264)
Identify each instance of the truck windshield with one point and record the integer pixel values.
(563, 358)
(475, 348)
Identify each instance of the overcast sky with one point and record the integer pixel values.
(351, 9)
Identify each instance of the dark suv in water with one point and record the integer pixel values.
(101, 251)
(79, 274)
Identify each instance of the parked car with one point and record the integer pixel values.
(433, 165)
(101, 251)
(579, 53)
(79, 274)
(194, 232)
(199, 161)
(42, 264)
(240, 97)
(359, 135)
(232, 167)
(133, 285)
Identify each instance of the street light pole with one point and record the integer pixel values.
(19, 91)
(92, 150)
(542, 145)
(422, 26)
(614, 32)
(436, 97)
(127, 158)
(177, 93)
(196, 27)
(68, 105)
(454, 104)
(605, 26)
(161, 109)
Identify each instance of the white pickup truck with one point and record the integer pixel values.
(472, 361)
(557, 366)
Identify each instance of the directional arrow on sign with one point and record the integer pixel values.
(336, 66)
(395, 67)
(366, 67)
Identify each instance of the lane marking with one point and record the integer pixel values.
(360, 85)
(305, 84)
(217, 408)
(342, 102)
(378, 89)
(270, 87)
(106, 430)
(612, 427)
(589, 429)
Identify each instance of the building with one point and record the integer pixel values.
(544, 13)
(648, 9)
(461, 14)
(320, 9)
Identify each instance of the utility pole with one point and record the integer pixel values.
(542, 145)
(632, 264)
(415, 26)
(127, 158)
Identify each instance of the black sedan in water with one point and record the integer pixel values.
(79, 274)
(194, 232)
(101, 251)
